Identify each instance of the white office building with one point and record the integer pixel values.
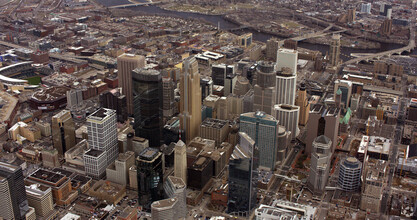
(102, 133)
(366, 8)
(286, 86)
(287, 115)
(287, 58)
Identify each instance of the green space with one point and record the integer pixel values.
(36, 80)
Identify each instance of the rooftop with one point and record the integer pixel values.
(165, 203)
(101, 114)
(46, 175)
(94, 152)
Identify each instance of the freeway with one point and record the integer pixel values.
(411, 45)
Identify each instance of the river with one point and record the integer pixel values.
(259, 36)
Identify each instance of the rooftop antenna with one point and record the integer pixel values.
(218, 25)
(180, 134)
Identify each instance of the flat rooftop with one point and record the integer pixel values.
(101, 114)
(94, 153)
(177, 182)
(165, 203)
(46, 175)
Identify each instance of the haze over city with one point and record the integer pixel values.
(208, 110)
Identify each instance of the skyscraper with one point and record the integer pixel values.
(304, 105)
(114, 99)
(63, 131)
(287, 115)
(125, 64)
(345, 87)
(334, 53)
(40, 198)
(150, 177)
(286, 85)
(320, 163)
(14, 204)
(263, 129)
(102, 133)
(165, 209)
(265, 89)
(322, 121)
(168, 99)
(190, 103)
(147, 101)
(175, 187)
(243, 176)
(287, 58)
(272, 46)
(350, 174)
(180, 161)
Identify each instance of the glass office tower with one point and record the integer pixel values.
(147, 102)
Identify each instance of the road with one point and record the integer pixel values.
(411, 45)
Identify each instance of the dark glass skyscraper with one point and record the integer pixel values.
(14, 204)
(150, 177)
(243, 176)
(147, 102)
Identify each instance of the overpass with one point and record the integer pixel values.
(366, 57)
(133, 4)
(316, 34)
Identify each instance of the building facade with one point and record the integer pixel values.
(243, 176)
(118, 171)
(320, 163)
(265, 88)
(263, 129)
(190, 103)
(150, 177)
(12, 191)
(102, 133)
(180, 161)
(147, 101)
(304, 104)
(287, 116)
(125, 64)
(63, 131)
(350, 174)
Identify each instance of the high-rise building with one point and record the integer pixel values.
(334, 52)
(118, 171)
(40, 198)
(74, 97)
(350, 174)
(95, 163)
(265, 88)
(214, 129)
(286, 86)
(366, 8)
(190, 103)
(125, 64)
(14, 203)
(63, 131)
(243, 176)
(287, 115)
(386, 27)
(50, 158)
(287, 58)
(147, 101)
(272, 46)
(322, 121)
(168, 98)
(320, 163)
(114, 99)
(200, 172)
(150, 177)
(284, 138)
(219, 73)
(304, 104)
(351, 15)
(206, 84)
(165, 209)
(375, 177)
(345, 87)
(175, 188)
(180, 161)
(102, 133)
(263, 129)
